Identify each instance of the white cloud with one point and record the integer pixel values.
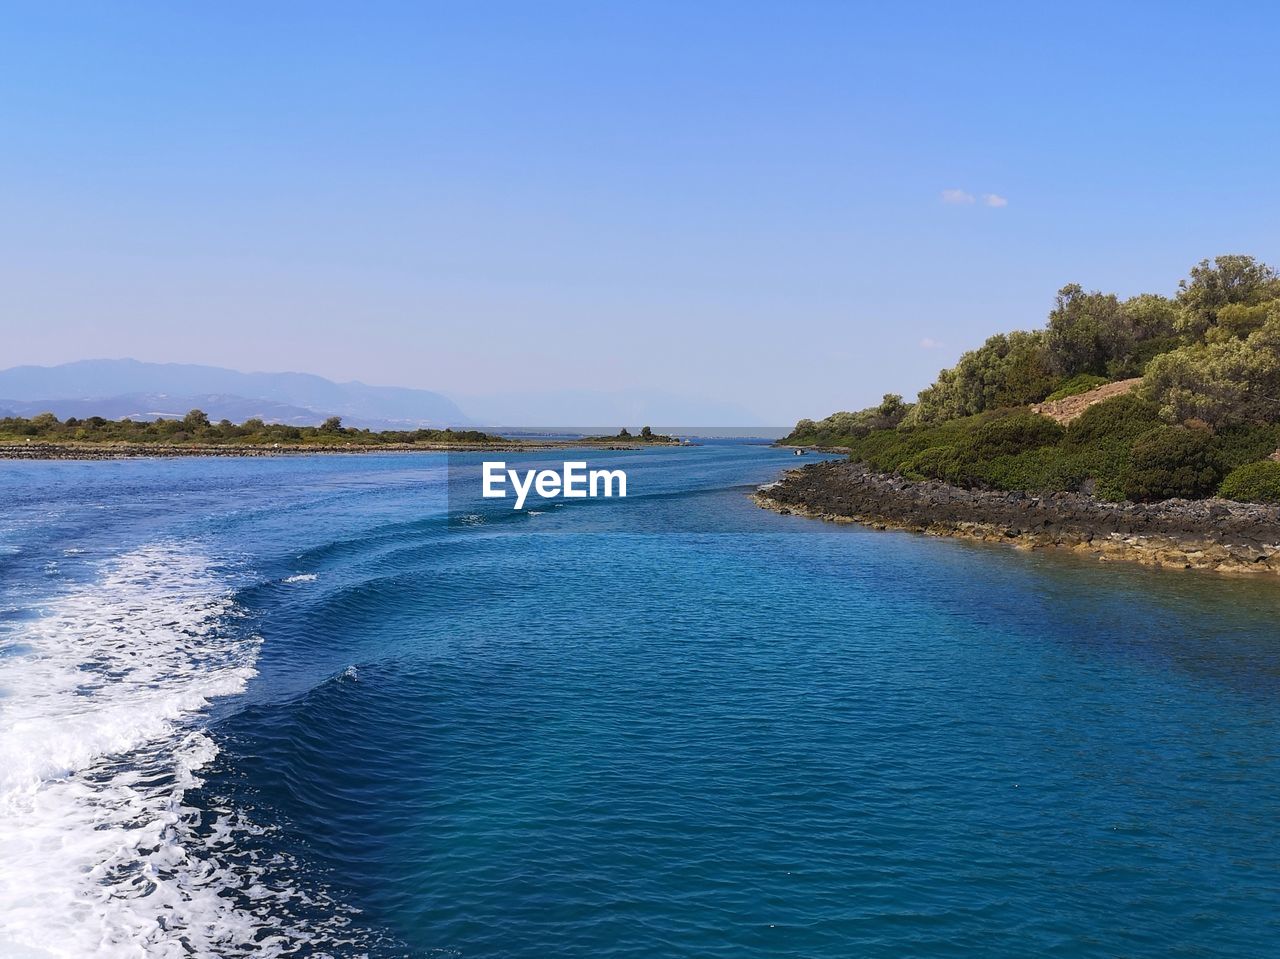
(929, 343)
(957, 196)
(994, 199)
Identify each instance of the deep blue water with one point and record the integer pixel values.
(286, 707)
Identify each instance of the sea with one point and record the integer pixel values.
(341, 706)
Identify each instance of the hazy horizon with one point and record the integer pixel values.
(103, 379)
(783, 211)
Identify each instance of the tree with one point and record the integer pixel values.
(624, 432)
(1211, 286)
(1085, 331)
(845, 425)
(645, 432)
(195, 421)
(1232, 381)
(332, 425)
(1149, 316)
(1009, 369)
(891, 410)
(1241, 319)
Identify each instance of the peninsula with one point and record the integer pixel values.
(1144, 429)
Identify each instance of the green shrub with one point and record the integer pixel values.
(1080, 383)
(1006, 434)
(1255, 483)
(1041, 470)
(944, 463)
(1119, 420)
(1169, 462)
(1247, 444)
(888, 450)
(1005, 449)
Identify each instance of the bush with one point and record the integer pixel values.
(888, 450)
(1014, 432)
(937, 462)
(1169, 462)
(1080, 383)
(1241, 445)
(1041, 470)
(1119, 420)
(1003, 450)
(1255, 483)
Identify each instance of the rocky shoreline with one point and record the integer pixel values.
(1209, 534)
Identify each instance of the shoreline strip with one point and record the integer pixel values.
(1218, 535)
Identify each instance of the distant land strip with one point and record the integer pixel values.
(45, 437)
(120, 451)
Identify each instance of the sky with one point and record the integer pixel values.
(784, 208)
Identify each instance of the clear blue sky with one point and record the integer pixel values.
(737, 200)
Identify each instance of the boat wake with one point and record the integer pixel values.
(104, 851)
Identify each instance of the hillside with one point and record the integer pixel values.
(120, 388)
(153, 406)
(1142, 399)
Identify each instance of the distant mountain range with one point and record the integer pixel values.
(145, 391)
(119, 388)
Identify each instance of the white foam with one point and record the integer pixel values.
(100, 743)
(301, 578)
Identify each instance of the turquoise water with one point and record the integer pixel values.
(284, 707)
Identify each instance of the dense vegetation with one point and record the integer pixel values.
(1253, 483)
(1203, 420)
(195, 428)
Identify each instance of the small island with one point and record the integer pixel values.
(1144, 428)
(624, 439)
